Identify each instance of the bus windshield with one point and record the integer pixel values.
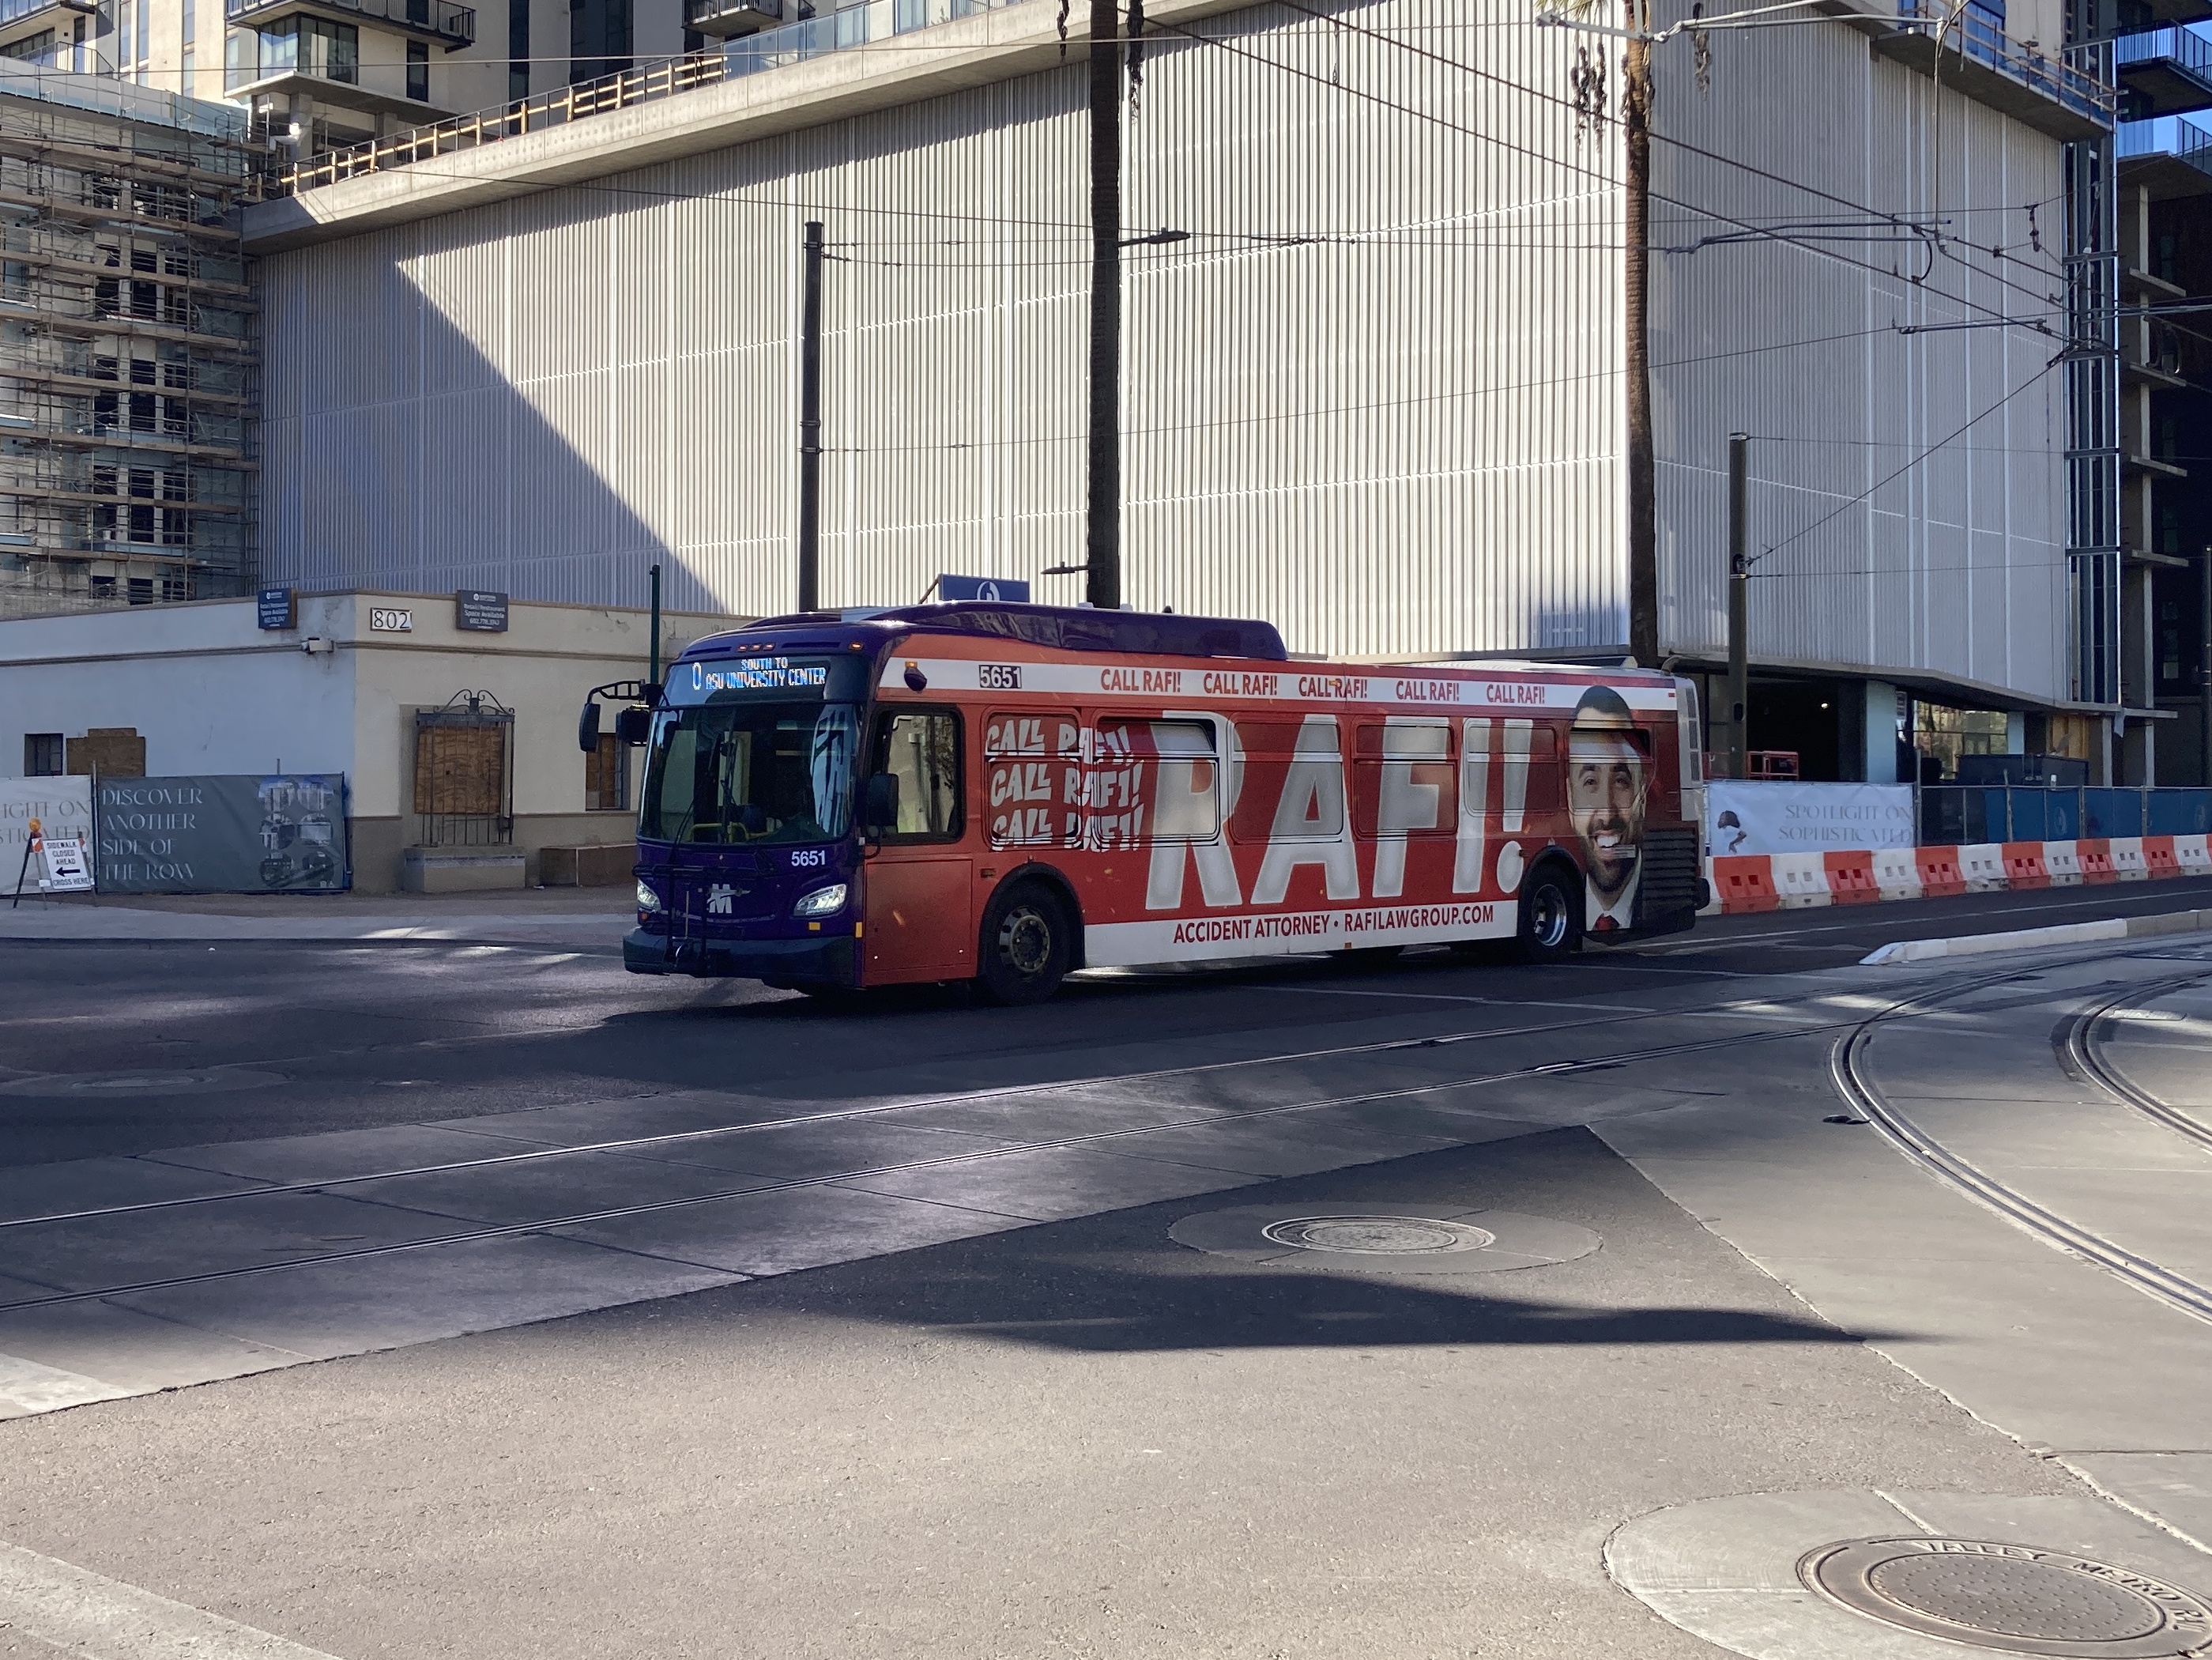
(747, 771)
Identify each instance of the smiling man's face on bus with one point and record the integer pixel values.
(1605, 796)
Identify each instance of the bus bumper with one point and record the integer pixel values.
(812, 962)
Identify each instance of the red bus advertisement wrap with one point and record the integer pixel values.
(1121, 808)
(1221, 813)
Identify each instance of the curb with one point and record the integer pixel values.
(2064, 933)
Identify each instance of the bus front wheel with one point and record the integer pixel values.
(1550, 928)
(1028, 942)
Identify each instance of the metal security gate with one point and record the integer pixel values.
(464, 773)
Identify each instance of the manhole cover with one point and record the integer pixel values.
(2012, 1598)
(1376, 1236)
(108, 1085)
(1449, 1238)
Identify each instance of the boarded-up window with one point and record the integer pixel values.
(462, 789)
(606, 776)
(108, 752)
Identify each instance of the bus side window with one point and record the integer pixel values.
(1304, 762)
(1186, 793)
(1546, 771)
(1033, 765)
(1403, 781)
(922, 752)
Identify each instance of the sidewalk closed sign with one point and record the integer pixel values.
(67, 869)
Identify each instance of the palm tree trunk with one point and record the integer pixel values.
(1643, 485)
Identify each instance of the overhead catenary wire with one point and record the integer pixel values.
(1888, 479)
(1555, 160)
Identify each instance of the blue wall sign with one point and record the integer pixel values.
(983, 587)
(275, 610)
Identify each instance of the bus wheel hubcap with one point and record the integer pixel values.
(1550, 915)
(1025, 942)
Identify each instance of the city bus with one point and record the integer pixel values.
(1004, 793)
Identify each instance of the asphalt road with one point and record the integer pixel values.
(1049, 1427)
(364, 1033)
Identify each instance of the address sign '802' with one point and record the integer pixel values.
(382, 620)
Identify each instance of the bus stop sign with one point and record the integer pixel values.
(983, 587)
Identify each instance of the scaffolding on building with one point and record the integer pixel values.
(128, 352)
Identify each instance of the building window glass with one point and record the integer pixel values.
(42, 755)
(418, 71)
(312, 45)
(598, 39)
(35, 48)
(329, 50)
(1945, 734)
(517, 49)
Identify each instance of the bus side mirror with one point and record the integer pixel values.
(633, 725)
(881, 804)
(587, 726)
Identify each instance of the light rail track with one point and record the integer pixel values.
(1850, 1074)
(2080, 1043)
(1846, 1056)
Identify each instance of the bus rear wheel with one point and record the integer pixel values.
(1027, 945)
(1550, 928)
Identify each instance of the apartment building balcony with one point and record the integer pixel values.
(305, 55)
(2067, 96)
(847, 26)
(22, 21)
(2158, 367)
(2165, 71)
(2133, 15)
(728, 18)
(2134, 464)
(2170, 156)
(449, 26)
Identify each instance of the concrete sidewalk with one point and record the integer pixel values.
(575, 918)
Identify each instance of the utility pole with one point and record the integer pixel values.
(809, 425)
(2205, 668)
(1643, 483)
(652, 662)
(1739, 674)
(1102, 505)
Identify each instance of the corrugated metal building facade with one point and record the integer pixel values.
(1376, 397)
(1954, 565)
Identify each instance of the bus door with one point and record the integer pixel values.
(921, 925)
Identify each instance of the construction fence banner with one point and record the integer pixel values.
(1749, 818)
(63, 807)
(223, 833)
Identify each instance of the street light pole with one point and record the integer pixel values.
(2204, 669)
(1102, 505)
(810, 424)
(1739, 674)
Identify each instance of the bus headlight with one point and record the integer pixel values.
(822, 902)
(647, 900)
